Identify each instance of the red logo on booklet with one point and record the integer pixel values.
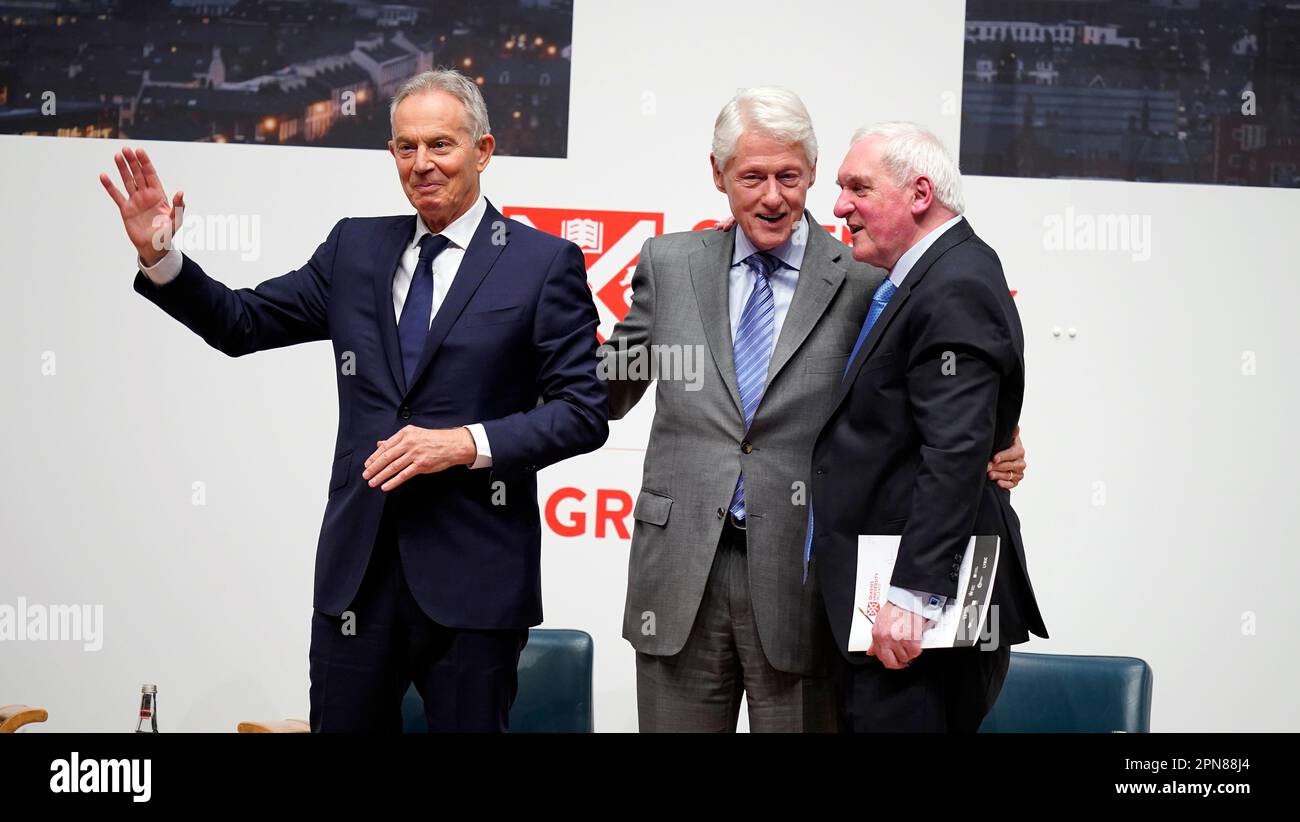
(610, 242)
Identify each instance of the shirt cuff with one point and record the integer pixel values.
(484, 458)
(163, 271)
(918, 602)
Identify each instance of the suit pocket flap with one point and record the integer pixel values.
(492, 316)
(339, 473)
(652, 508)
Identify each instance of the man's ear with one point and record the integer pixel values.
(717, 174)
(922, 195)
(486, 145)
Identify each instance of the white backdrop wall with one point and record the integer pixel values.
(1157, 512)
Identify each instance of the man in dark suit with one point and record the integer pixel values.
(933, 388)
(474, 346)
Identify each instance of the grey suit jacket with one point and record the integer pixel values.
(699, 446)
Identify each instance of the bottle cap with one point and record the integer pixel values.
(149, 689)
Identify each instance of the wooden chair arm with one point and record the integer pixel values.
(282, 726)
(13, 717)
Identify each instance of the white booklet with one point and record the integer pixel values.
(962, 620)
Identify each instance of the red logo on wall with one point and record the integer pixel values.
(610, 242)
(567, 511)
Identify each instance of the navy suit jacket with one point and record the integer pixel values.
(934, 392)
(513, 346)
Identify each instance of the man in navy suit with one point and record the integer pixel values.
(474, 342)
(933, 387)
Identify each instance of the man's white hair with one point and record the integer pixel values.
(774, 112)
(455, 84)
(910, 151)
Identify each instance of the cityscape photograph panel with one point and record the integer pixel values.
(278, 72)
(1187, 91)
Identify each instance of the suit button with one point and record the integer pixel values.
(745, 447)
(404, 412)
(953, 576)
(721, 513)
(820, 472)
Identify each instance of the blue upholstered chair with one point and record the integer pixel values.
(554, 686)
(1083, 694)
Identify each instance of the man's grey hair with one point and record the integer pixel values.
(457, 85)
(910, 151)
(773, 112)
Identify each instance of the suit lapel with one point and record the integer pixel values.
(710, 267)
(482, 253)
(957, 234)
(819, 278)
(391, 245)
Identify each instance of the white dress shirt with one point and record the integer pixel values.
(459, 232)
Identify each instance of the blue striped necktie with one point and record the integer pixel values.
(881, 299)
(413, 325)
(752, 350)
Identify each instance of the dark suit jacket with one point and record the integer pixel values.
(513, 346)
(934, 392)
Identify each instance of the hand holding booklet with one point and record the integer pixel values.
(963, 618)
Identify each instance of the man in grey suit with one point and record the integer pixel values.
(717, 604)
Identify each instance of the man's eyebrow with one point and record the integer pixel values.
(850, 179)
(406, 138)
(746, 169)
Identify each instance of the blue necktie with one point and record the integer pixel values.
(413, 325)
(881, 299)
(752, 351)
(886, 290)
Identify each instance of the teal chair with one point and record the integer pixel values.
(1051, 693)
(554, 686)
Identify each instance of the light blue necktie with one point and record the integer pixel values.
(881, 299)
(752, 350)
(886, 290)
